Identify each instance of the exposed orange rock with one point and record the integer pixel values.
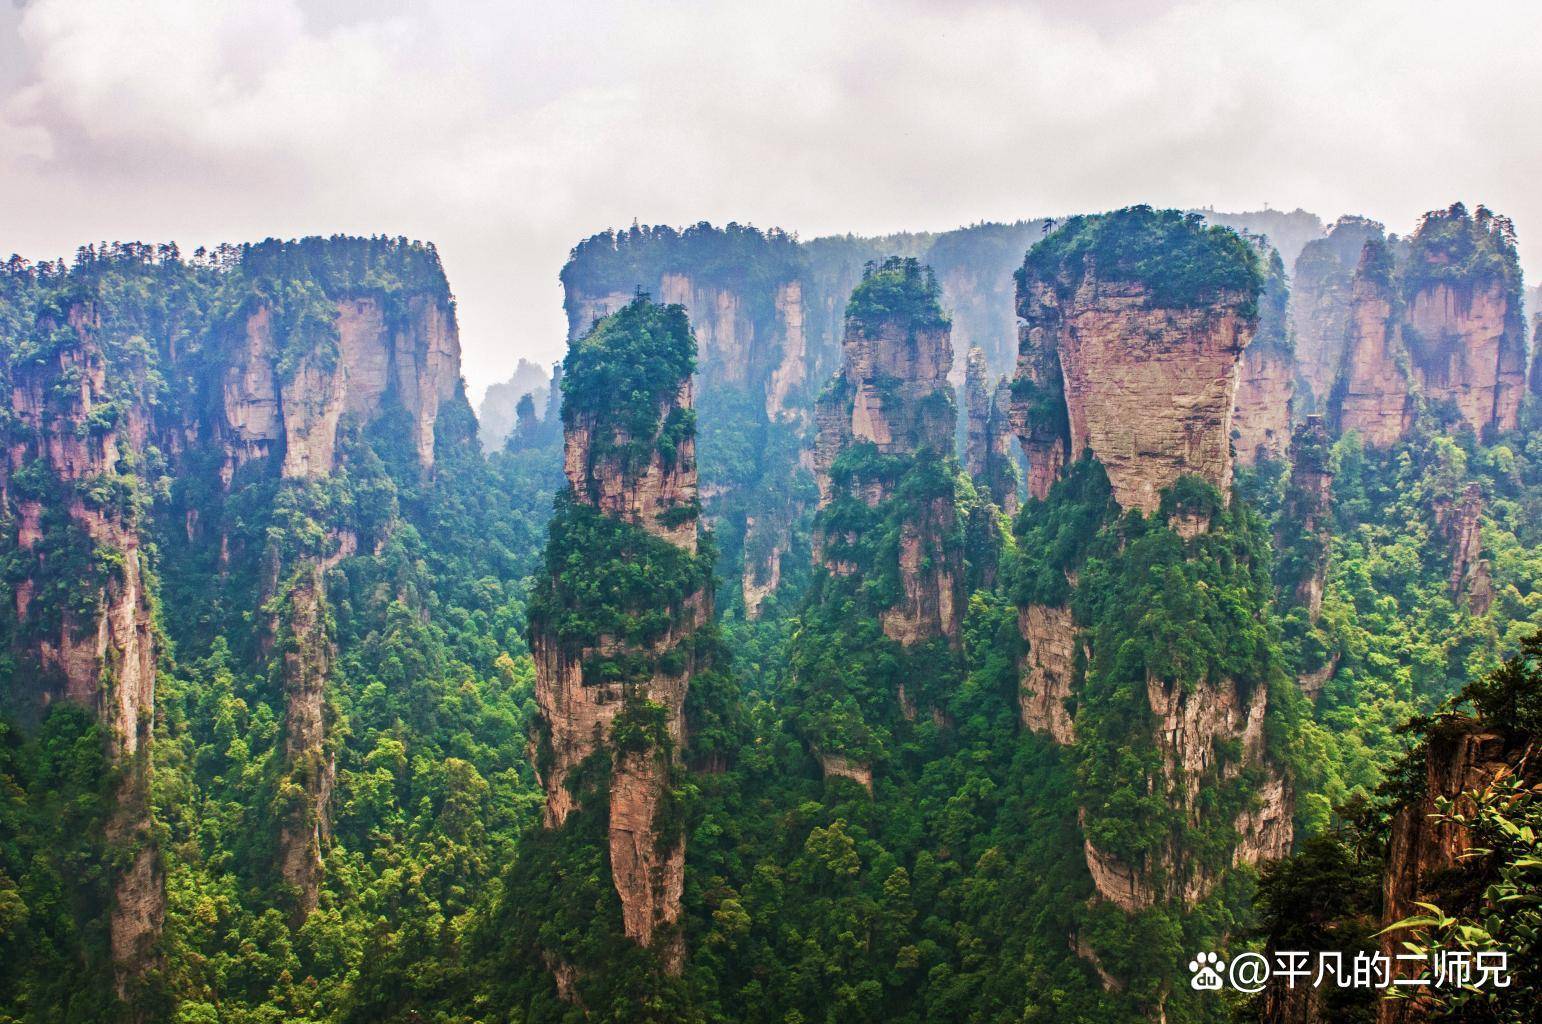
(1461, 756)
(1468, 347)
(652, 498)
(106, 664)
(1261, 419)
(1047, 671)
(1373, 395)
(1149, 390)
(417, 361)
(988, 447)
(893, 392)
(578, 714)
(1320, 293)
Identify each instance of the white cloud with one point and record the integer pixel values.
(505, 135)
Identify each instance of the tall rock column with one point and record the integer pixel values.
(988, 448)
(614, 659)
(1373, 394)
(80, 407)
(888, 537)
(1320, 292)
(1149, 368)
(1266, 380)
(1178, 742)
(1463, 323)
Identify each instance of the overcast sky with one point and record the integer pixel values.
(505, 133)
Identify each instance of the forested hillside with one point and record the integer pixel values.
(930, 628)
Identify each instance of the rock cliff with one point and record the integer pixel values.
(1435, 324)
(1321, 289)
(1149, 373)
(1373, 393)
(1462, 756)
(78, 412)
(892, 394)
(620, 694)
(407, 356)
(1462, 525)
(1261, 418)
(1147, 366)
(988, 440)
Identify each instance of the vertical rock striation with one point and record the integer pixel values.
(1148, 361)
(1435, 324)
(1320, 294)
(1261, 418)
(80, 413)
(613, 665)
(892, 398)
(1373, 395)
(1149, 374)
(988, 439)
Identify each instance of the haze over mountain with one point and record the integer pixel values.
(501, 136)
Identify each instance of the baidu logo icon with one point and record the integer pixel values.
(1207, 976)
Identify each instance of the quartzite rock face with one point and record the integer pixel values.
(1467, 344)
(107, 662)
(1462, 756)
(656, 494)
(1373, 394)
(893, 392)
(1266, 386)
(988, 446)
(1047, 672)
(656, 498)
(1148, 389)
(1463, 529)
(1321, 289)
(1261, 423)
(1436, 321)
(415, 360)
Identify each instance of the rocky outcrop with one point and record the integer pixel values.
(1467, 344)
(307, 662)
(1148, 389)
(988, 440)
(1436, 323)
(74, 417)
(1373, 394)
(1261, 417)
(1462, 526)
(661, 497)
(1462, 756)
(1320, 295)
(630, 713)
(893, 393)
(411, 357)
(1047, 671)
(1306, 527)
(1261, 424)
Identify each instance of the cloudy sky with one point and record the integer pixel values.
(505, 133)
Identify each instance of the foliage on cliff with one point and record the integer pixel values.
(1453, 246)
(901, 288)
(1182, 262)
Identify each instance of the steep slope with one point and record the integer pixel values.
(1321, 286)
(1142, 633)
(888, 512)
(614, 623)
(1261, 417)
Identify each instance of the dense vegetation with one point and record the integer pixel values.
(1182, 261)
(956, 890)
